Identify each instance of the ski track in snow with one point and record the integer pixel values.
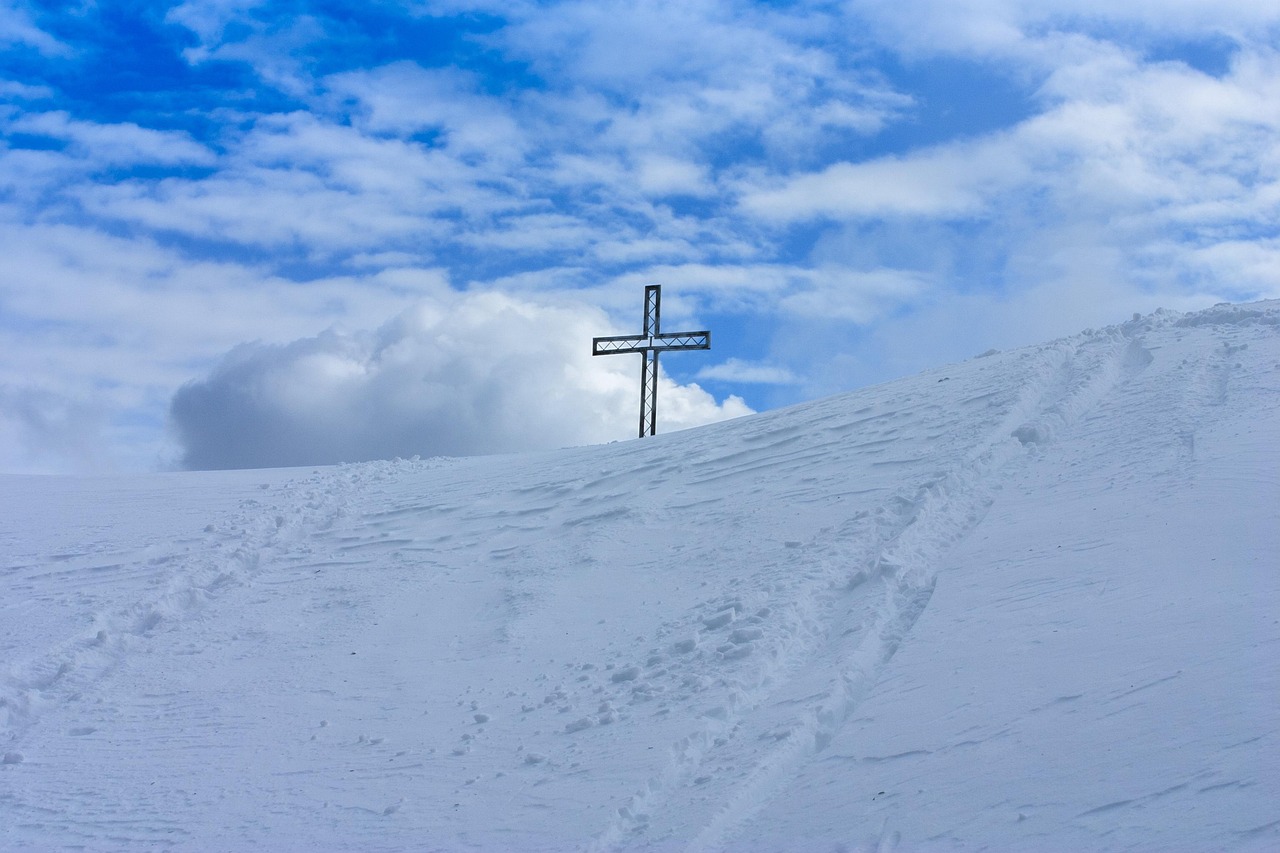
(755, 665)
(233, 553)
(860, 606)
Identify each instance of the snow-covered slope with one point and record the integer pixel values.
(1031, 601)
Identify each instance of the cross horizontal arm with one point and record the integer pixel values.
(656, 343)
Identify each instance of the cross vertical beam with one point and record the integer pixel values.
(649, 362)
(649, 345)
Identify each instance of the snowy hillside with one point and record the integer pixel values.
(1027, 602)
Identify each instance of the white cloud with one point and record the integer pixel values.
(121, 144)
(406, 159)
(955, 326)
(1238, 269)
(18, 28)
(1156, 148)
(671, 78)
(828, 292)
(940, 183)
(613, 45)
(738, 370)
(658, 175)
(1043, 33)
(208, 18)
(42, 431)
(112, 325)
(854, 296)
(296, 180)
(276, 49)
(465, 374)
(709, 146)
(22, 92)
(404, 99)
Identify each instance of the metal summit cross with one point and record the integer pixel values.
(649, 344)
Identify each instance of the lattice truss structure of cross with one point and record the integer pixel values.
(649, 344)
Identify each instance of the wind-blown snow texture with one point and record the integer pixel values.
(1026, 602)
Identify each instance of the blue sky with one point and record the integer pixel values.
(255, 233)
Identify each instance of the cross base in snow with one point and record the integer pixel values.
(649, 344)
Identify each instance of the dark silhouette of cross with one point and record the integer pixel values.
(649, 344)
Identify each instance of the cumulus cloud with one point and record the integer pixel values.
(475, 373)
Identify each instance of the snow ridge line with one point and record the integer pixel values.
(907, 540)
(257, 533)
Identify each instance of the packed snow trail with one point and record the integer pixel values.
(1137, 709)
(97, 584)
(865, 607)
(809, 629)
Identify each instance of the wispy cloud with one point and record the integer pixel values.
(18, 28)
(737, 370)
(101, 145)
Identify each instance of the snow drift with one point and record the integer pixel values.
(1024, 602)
